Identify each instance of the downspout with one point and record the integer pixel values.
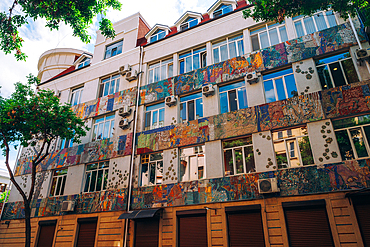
(132, 162)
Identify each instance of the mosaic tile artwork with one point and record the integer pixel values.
(307, 46)
(343, 176)
(106, 104)
(109, 200)
(83, 153)
(346, 100)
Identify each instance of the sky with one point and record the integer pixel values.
(38, 39)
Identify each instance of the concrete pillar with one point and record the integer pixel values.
(209, 53)
(290, 28)
(255, 93)
(264, 153)
(306, 76)
(323, 142)
(144, 76)
(247, 41)
(211, 104)
(175, 64)
(75, 180)
(214, 159)
(170, 166)
(91, 90)
(119, 172)
(171, 113)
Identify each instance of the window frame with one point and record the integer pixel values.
(76, 91)
(107, 81)
(237, 39)
(187, 22)
(161, 108)
(242, 147)
(202, 60)
(53, 192)
(105, 173)
(150, 164)
(221, 9)
(274, 79)
(117, 46)
(86, 61)
(266, 29)
(353, 147)
(156, 34)
(301, 18)
(96, 126)
(341, 67)
(167, 63)
(236, 89)
(187, 171)
(289, 139)
(185, 101)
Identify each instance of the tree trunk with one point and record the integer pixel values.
(27, 213)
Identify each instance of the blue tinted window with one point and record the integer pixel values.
(232, 86)
(155, 107)
(269, 91)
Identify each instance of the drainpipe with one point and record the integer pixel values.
(132, 162)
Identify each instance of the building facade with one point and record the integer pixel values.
(216, 131)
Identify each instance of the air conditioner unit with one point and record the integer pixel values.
(362, 54)
(124, 123)
(131, 76)
(124, 69)
(68, 206)
(57, 93)
(171, 100)
(252, 77)
(268, 185)
(208, 90)
(124, 111)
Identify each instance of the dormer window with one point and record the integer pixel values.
(188, 23)
(113, 49)
(84, 62)
(222, 10)
(157, 35)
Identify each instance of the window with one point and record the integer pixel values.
(311, 24)
(146, 232)
(188, 23)
(353, 137)
(157, 35)
(96, 176)
(239, 231)
(238, 156)
(109, 85)
(151, 169)
(269, 35)
(222, 10)
(293, 148)
(113, 49)
(191, 107)
(229, 48)
(84, 62)
(192, 163)
(233, 97)
(58, 182)
(307, 223)
(103, 128)
(336, 71)
(193, 60)
(46, 233)
(192, 228)
(66, 143)
(154, 116)
(76, 96)
(279, 85)
(86, 232)
(160, 71)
